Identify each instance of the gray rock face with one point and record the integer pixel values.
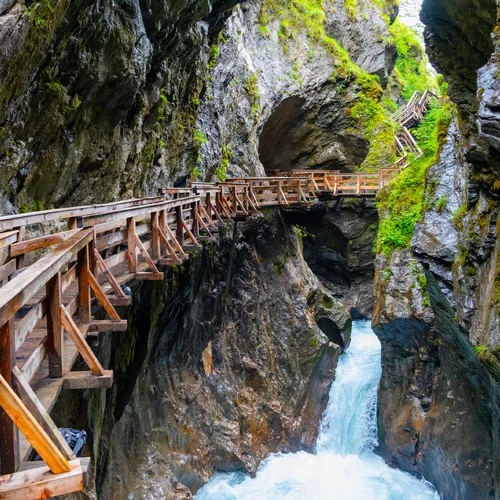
(458, 42)
(364, 37)
(439, 392)
(338, 246)
(226, 361)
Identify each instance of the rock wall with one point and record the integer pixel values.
(338, 240)
(437, 312)
(102, 101)
(224, 363)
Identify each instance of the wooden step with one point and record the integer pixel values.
(119, 301)
(149, 276)
(108, 325)
(192, 248)
(86, 380)
(170, 261)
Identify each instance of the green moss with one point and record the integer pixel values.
(227, 154)
(441, 204)
(251, 86)
(351, 8)
(412, 71)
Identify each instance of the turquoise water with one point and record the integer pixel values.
(345, 466)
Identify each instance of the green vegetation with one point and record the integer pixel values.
(225, 161)
(351, 8)
(402, 205)
(441, 204)
(54, 86)
(252, 89)
(412, 69)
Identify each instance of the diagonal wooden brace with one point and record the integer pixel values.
(80, 343)
(31, 429)
(146, 255)
(102, 297)
(109, 276)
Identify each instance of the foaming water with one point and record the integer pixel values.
(345, 465)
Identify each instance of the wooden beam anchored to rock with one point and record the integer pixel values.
(39, 482)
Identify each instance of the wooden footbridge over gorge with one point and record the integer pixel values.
(61, 269)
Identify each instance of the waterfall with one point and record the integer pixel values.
(345, 465)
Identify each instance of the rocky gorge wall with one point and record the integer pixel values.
(230, 358)
(436, 311)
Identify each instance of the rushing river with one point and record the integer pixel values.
(345, 466)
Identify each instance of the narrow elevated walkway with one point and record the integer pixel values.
(54, 284)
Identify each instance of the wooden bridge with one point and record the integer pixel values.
(59, 268)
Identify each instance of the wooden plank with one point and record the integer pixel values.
(55, 331)
(86, 380)
(9, 435)
(31, 429)
(80, 343)
(35, 360)
(138, 211)
(28, 323)
(105, 325)
(18, 220)
(7, 238)
(37, 483)
(7, 269)
(68, 277)
(19, 290)
(24, 247)
(35, 407)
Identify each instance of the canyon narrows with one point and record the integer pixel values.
(252, 249)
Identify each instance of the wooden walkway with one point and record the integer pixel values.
(53, 284)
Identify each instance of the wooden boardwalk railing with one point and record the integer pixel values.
(73, 265)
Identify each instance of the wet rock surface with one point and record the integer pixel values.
(226, 361)
(338, 240)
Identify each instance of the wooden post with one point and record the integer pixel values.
(20, 237)
(358, 189)
(208, 199)
(72, 223)
(84, 285)
(179, 230)
(132, 254)
(195, 211)
(162, 223)
(9, 434)
(55, 332)
(155, 248)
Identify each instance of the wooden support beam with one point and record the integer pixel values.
(174, 241)
(31, 429)
(189, 233)
(80, 343)
(195, 227)
(179, 231)
(155, 244)
(9, 434)
(85, 305)
(7, 270)
(86, 380)
(35, 407)
(39, 482)
(119, 301)
(55, 331)
(131, 238)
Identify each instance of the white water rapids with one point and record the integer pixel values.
(345, 465)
